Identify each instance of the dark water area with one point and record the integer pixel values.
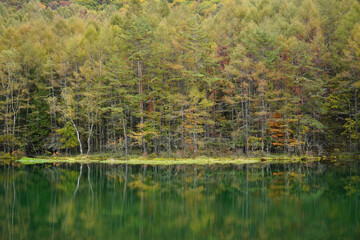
(99, 201)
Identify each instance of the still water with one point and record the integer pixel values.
(96, 201)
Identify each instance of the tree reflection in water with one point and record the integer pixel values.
(287, 201)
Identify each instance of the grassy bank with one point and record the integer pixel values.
(163, 161)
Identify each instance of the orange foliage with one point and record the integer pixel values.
(277, 129)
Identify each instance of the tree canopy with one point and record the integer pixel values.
(179, 77)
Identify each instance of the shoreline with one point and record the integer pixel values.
(165, 161)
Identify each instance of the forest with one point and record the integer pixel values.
(179, 77)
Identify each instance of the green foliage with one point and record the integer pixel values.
(68, 136)
(38, 128)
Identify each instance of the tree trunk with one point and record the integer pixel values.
(77, 136)
(195, 135)
(125, 137)
(169, 138)
(263, 124)
(298, 137)
(140, 76)
(246, 127)
(233, 128)
(356, 122)
(89, 137)
(350, 142)
(182, 128)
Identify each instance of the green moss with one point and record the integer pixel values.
(163, 161)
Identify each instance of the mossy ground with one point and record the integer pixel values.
(164, 161)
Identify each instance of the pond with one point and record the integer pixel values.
(103, 201)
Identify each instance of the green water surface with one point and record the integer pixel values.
(102, 201)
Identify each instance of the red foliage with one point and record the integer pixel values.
(65, 3)
(221, 52)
